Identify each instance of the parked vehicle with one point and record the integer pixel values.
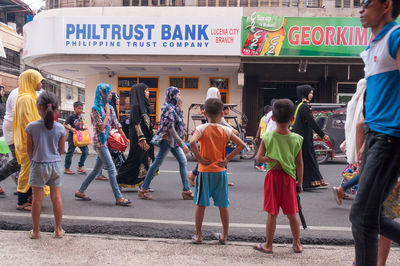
(331, 118)
(233, 119)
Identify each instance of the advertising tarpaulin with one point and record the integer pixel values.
(267, 35)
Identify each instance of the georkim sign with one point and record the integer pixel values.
(268, 35)
(135, 35)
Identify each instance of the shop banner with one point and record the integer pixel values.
(135, 35)
(268, 35)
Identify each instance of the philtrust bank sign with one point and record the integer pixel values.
(146, 35)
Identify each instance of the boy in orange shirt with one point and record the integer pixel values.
(212, 180)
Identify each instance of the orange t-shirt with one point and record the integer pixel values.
(213, 139)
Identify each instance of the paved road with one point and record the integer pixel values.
(167, 215)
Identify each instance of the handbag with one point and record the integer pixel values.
(116, 142)
(156, 140)
(82, 138)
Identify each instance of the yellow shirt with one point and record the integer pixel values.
(262, 126)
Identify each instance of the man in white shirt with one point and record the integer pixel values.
(12, 166)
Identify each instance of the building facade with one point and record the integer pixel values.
(202, 44)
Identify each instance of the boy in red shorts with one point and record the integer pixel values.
(281, 150)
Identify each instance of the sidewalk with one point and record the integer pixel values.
(77, 249)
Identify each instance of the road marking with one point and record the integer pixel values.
(172, 222)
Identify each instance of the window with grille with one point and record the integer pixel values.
(81, 95)
(184, 83)
(223, 85)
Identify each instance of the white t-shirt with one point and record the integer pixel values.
(271, 124)
(8, 117)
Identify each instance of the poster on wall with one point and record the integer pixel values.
(135, 35)
(267, 35)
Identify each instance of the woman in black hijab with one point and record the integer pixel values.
(141, 153)
(304, 125)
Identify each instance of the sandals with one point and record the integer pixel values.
(322, 183)
(83, 197)
(260, 247)
(81, 170)
(187, 195)
(31, 236)
(68, 172)
(59, 236)
(144, 194)
(24, 207)
(123, 202)
(218, 236)
(101, 177)
(196, 242)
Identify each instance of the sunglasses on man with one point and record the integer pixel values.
(365, 3)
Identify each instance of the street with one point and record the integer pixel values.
(168, 216)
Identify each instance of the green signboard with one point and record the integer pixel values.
(268, 35)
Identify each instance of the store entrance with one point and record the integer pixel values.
(124, 87)
(280, 90)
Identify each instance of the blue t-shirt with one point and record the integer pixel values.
(45, 142)
(382, 108)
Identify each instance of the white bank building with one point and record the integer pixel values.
(190, 48)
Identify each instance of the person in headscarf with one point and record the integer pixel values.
(103, 119)
(141, 153)
(304, 125)
(118, 157)
(169, 138)
(25, 112)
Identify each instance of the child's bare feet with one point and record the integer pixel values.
(297, 247)
(191, 178)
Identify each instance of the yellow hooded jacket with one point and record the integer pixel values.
(25, 112)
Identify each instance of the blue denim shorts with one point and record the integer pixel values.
(41, 174)
(211, 185)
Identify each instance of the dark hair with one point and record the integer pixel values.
(226, 107)
(77, 103)
(213, 107)
(49, 102)
(283, 110)
(396, 8)
(267, 108)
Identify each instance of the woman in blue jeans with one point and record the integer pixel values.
(169, 138)
(103, 119)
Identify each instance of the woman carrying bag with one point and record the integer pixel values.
(103, 119)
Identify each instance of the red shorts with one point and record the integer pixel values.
(280, 192)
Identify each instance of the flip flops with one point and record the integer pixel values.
(101, 177)
(68, 172)
(123, 203)
(81, 170)
(144, 194)
(196, 242)
(82, 197)
(24, 207)
(218, 236)
(59, 236)
(259, 247)
(31, 236)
